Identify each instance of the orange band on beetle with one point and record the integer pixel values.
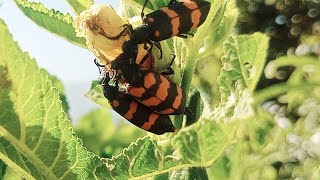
(152, 119)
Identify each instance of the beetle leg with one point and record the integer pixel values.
(172, 2)
(144, 58)
(98, 65)
(149, 49)
(158, 45)
(127, 29)
(186, 35)
(169, 70)
(188, 111)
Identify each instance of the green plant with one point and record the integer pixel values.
(236, 131)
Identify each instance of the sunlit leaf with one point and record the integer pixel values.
(133, 7)
(96, 94)
(252, 53)
(147, 157)
(203, 142)
(220, 169)
(36, 139)
(58, 84)
(12, 175)
(51, 20)
(195, 173)
(80, 5)
(243, 63)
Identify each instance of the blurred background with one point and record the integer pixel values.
(72, 64)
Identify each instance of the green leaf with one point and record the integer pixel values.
(197, 145)
(220, 169)
(129, 7)
(36, 138)
(195, 105)
(80, 5)
(252, 53)
(164, 176)
(95, 125)
(96, 94)
(53, 21)
(3, 168)
(140, 160)
(222, 25)
(58, 84)
(203, 142)
(208, 59)
(12, 175)
(108, 139)
(242, 64)
(194, 173)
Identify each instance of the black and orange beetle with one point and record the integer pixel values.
(176, 19)
(135, 112)
(158, 93)
(152, 89)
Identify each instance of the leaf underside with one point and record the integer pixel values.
(36, 138)
(51, 20)
(80, 5)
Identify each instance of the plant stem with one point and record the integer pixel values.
(192, 48)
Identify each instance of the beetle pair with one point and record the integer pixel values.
(147, 104)
(150, 96)
(131, 109)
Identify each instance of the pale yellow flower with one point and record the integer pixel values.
(95, 24)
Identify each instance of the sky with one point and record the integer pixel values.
(70, 63)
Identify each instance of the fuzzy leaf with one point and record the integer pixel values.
(202, 142)
(80, 5)
(252, 53)
(197, 145)
(194, 173)
(58, 84)
(129, 7)
(220, 169)
(53, 21)
(222, 25)
(96, 94)
(36, 138)
(243, 62)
